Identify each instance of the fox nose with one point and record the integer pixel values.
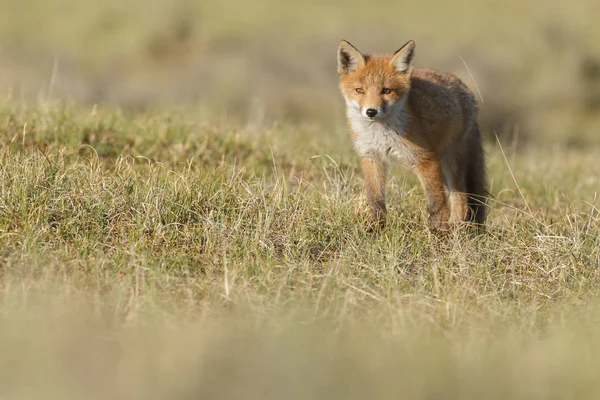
(371, 112)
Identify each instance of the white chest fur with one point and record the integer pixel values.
(385, 139)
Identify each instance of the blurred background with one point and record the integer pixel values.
(537, 65)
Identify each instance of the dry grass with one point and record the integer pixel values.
(230, 262)
(219, 252)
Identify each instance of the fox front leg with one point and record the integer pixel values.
(374, 172)
(429, 170)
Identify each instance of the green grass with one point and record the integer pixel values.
(231, 261)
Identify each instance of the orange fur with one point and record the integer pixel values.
(423, 118)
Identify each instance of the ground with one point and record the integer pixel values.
(195, 258)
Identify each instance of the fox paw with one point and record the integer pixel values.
(439, 222)
(375, 225)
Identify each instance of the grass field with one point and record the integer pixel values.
(182, 215)
(232, 262)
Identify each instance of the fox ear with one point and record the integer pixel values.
(402, 59)
(349, 58)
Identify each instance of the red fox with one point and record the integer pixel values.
(423, 118)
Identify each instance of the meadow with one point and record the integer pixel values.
(173, 228)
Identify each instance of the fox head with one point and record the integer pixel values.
(373, 86)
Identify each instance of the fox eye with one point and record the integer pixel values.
(386, 91)
(359, 90)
